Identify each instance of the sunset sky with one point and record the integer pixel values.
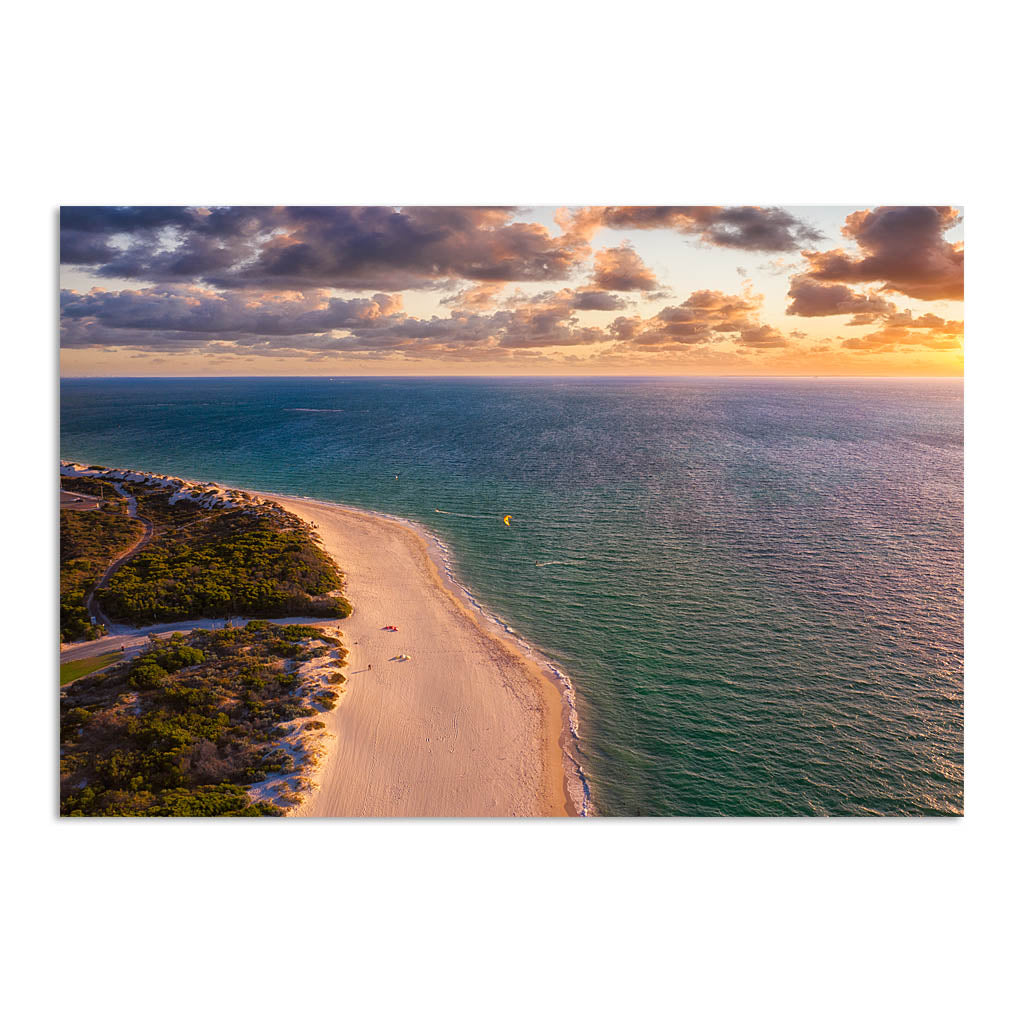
(221, 291)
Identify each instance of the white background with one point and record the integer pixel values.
(532, 103)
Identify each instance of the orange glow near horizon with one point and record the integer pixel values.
(452, 291)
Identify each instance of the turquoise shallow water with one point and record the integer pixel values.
(756, 586)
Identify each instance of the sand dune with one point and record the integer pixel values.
(468, 726)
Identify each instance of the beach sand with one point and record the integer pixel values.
(469, 726)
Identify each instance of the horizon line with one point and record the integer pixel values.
(519, 376)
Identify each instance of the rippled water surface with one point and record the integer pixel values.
(756, 586)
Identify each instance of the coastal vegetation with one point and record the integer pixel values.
(211, 555)
(225, 564)
(193, 724)
(89, 542)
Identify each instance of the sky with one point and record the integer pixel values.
(588, 290)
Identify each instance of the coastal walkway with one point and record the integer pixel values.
(91, 604)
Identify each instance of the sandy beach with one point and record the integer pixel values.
(468, 726)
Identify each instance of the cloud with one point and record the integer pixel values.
(706, 318)
(625, 328)
(481, 296)
(184, 316)
(590, 298)
(566, 299)
(816, 298)
(621, 270)
(761, 336)
(777, 266)
(902, 330)
(754, 228)
(902, 248)
(197, 318)
(358, 248)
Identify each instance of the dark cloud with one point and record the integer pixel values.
(486, 296)
(621, 270)
(195, 318)
(83, 248)
(193, 315)
(817, 298)
(113, 220)
(761, 336)
(625, 328)
(755, 228)
(902, 247)
(309, 247)
(565, 300)
(590, 298)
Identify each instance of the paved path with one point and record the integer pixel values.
(77, 502)
(91, 604)
(134, 638)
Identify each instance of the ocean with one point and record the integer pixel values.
(755, 586)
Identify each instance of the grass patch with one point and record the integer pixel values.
(72, 670)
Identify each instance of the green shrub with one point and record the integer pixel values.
(179, 656)
(185, 729)
(225, 563)
(147, 673)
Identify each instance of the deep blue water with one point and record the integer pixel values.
(756, 586)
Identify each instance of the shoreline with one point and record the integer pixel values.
(528, 765)
(490, 673)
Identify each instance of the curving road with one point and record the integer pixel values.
(134, 637)
(133, 513)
